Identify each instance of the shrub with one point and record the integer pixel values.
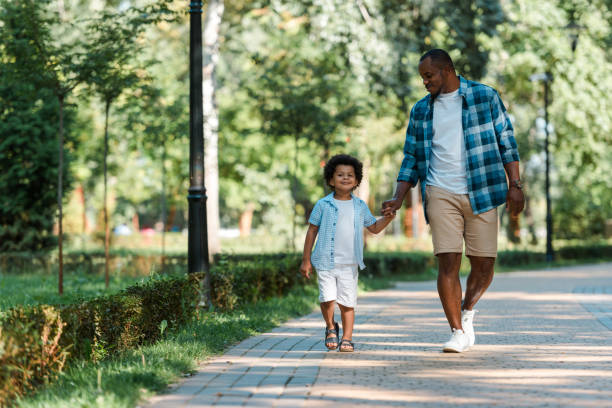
(248, 281)
(35, 341)
(30, 349)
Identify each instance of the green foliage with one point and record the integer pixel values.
(28, 132)
(235, 284)
(535, 39)
(30, 350)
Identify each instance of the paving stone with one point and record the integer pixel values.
(544, 339)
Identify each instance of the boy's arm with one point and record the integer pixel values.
(311, 235)
(381, 223)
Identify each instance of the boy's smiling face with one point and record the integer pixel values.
(344, 179)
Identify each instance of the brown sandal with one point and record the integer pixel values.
(329, 341)
(347, 349)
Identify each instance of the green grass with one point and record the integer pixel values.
(38, 287)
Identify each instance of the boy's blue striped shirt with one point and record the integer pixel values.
(489, 144)
(325, 216)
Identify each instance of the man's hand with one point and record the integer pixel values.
(515, 200)
(389, 207)
(306, 268)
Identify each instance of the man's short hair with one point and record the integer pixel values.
(439, 57)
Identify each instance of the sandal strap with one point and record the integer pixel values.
(335, 330)
(328, 331)
(350, 347)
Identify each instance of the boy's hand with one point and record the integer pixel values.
(390, 214)
(305, 269)
(391, 206)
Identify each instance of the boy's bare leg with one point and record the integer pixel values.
(449, 287)
(327, 309)
(348, 320)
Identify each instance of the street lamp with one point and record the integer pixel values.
(197, 231)
(573, 30)
(546, 78)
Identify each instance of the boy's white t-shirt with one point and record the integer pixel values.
(447, 167)
(344, 247)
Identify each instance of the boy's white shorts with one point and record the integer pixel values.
(339, 284)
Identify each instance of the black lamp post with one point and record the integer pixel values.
(198, 236)
(546, 78)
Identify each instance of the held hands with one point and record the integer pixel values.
(306, 269)
(515, 200)
(389, 207)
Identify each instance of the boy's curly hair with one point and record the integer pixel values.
(342, 159)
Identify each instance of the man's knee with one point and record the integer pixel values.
(449, 263)
(482, 264)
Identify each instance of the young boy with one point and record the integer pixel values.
(340, 217)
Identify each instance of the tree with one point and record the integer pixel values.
(28, 131)
(210, 56)
(108, 70)
(60, 65)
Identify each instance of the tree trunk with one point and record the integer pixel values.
(60, 191)
(246, 220)
(514, 228)
(81, 195)
(212, 24)
(294, 186)
(106, 228)
(530, 223)
(163, 206)
(363, 192)
(414, 216)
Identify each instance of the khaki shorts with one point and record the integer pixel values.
(452, 221)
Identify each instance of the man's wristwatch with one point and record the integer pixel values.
(516, 183)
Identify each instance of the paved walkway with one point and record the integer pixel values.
(543, 339)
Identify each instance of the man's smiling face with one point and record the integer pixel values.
(433, 76)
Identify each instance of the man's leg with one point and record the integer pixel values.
(479, 280)
(449, 287)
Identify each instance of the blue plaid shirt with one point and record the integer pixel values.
(489, 144)
(325, 216)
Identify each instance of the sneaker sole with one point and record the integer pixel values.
(454, 350)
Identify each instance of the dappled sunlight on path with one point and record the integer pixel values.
(541, 341)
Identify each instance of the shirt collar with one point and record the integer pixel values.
(330, 198)
(462, 90)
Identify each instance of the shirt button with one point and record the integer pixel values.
(332, 239)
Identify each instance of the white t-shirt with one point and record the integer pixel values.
(344, 247)
(447, 165)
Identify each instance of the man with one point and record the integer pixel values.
(460, 145)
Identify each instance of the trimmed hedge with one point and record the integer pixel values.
(36, 341)
(127, 262)
(143, 262)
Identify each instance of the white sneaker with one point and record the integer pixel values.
(458, 342)
(467, 321)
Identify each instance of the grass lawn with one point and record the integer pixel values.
(38, 287)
